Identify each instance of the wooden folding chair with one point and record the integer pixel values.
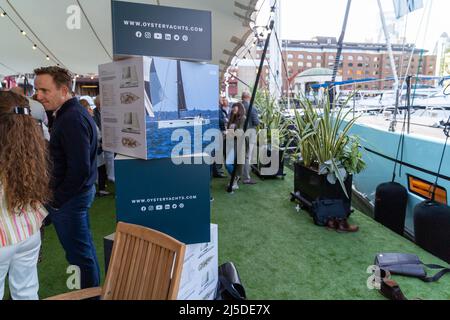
(145, 265)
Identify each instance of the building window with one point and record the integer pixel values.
(290, 64)
(290, 56)
(350, 64)
(318, 65)
(309, 64)
(350, 58)
(309, 57)
(375, 59)
(319, 58)
(330, 57)
(300, 56)
(300, 64)
(360, 58)
(360, 64)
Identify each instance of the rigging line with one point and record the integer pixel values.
(271, 30)
(260, 9)
(93, 30)
(241, 81)
(26, 36)
(243, 50)
(402, 60)
(440, 164)
(282, 57)
(253, 59)
(273, 75)
(34, 34)
(414, 44)
(9, 68)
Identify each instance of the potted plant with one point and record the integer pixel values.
(275, 133)
(327, 156)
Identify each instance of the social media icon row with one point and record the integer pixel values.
(159, 36)
(163, 207)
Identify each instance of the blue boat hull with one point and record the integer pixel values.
(420, 159)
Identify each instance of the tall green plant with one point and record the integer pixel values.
(271, 116)
(324, 140)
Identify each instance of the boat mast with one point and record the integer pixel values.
(394, 69)
(275, 54)
(338, 54)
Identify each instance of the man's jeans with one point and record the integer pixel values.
(250, 143)
(71, 222)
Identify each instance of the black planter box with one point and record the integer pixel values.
(257, 169)
(309, 186)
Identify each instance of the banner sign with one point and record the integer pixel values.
(151, 30)
(174, 199)
(147, 103)
(403, 7)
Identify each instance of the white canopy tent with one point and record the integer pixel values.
(82, 50)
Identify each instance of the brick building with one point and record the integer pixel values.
(358, 61)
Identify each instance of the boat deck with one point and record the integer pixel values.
(279, 252)
(415, 128)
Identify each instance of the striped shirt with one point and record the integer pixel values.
(16, 228)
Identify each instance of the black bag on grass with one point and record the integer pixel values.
(408, 265)
(325, 209)
(229, 286)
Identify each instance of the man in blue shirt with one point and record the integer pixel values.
(253, 123)
(73, 151)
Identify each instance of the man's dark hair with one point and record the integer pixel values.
(61, 76)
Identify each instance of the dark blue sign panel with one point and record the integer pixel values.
(150, 30)
(174, 199)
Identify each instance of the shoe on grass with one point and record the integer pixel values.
(103, 193)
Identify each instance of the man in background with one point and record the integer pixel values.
(223, 124)
(251, 139)
(109, 156)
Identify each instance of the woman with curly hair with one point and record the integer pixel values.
(24, 187)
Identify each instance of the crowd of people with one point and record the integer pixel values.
(49, 171)
(51, 158)
(232, 117)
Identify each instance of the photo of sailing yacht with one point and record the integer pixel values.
(131, 123)
(129, 77)
(182, 95)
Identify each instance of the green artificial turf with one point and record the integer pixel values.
(279, 252)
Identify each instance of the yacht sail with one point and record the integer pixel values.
(181, 97)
